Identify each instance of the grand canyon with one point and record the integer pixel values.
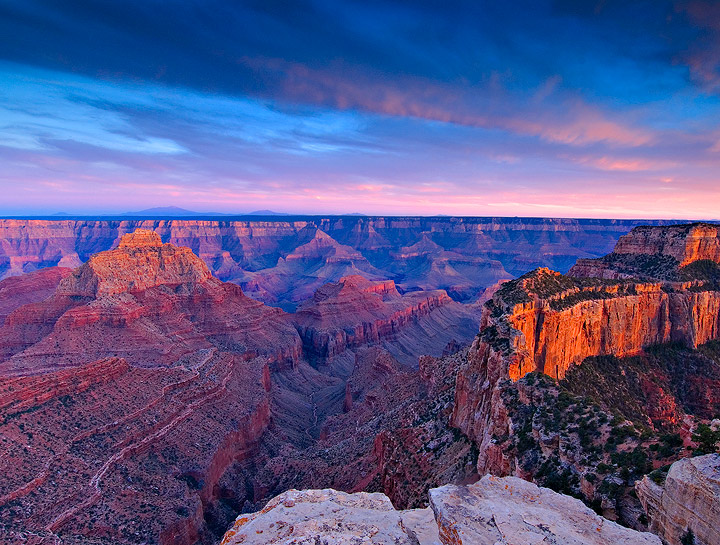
(162, 381)
(334, 272)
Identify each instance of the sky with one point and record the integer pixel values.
(567, 108)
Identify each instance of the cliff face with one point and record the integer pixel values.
(548, 322)
(689, 499)
(283, 261)
(149, 302)
(649, 251)
(125, 454)
(144, 400)
(355, 312)
(31, 288)
(131, 449)
(684, 243)
(561, 330)
(140, 261)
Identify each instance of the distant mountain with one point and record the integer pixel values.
(266, 213)
(167, 211)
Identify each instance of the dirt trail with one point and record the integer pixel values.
(96, 479)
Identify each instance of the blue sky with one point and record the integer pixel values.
(579, 109)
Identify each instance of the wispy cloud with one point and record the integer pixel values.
(535, 107)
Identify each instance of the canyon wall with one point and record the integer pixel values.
(355, 312)
(283, 261)
(687, 501)
(547, 322)
(555, 333)
(649, 252)
(142, 400)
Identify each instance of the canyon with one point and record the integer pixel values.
(645, 335)
(281, 262)
(145, 399)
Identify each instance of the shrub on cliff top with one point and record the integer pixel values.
(706, 439)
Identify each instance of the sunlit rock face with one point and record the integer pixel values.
(689, 499)
(140, 261)
(494, 510)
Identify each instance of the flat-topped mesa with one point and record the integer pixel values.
(140, 261)
(545, 321)
(548, 322)
(655, 252)
(686, 243)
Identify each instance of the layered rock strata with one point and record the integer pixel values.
(282, 261)
(356, 312)
(120, 454)
(654, 252)
(547, 322)
(142, 400)
(33, 287)
(148, 302)
(687, 502)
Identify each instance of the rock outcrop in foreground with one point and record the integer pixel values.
(689, 499)
(493, 511)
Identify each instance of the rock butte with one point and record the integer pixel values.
(490, 512)
(355, 312)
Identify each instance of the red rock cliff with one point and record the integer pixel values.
(547, 322)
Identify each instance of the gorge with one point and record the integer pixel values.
(144, 400)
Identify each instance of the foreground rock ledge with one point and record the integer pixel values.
(689, 499)
(493, 511)
(329, 517)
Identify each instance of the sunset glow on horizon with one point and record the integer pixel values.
(602, 109)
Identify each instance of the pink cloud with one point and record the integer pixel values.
(575, 123)
(625, 164)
